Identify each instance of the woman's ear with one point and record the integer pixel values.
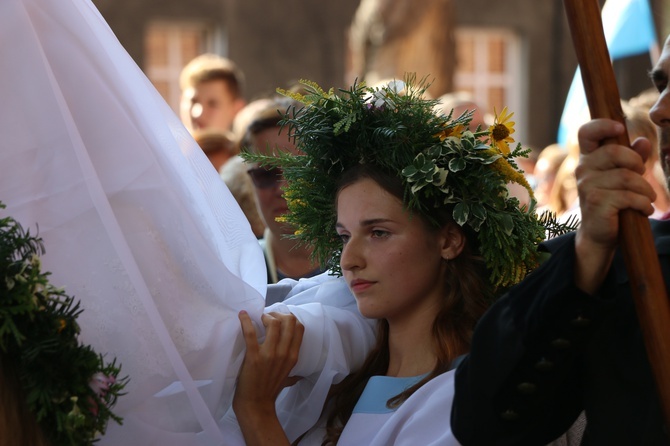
(453, 241)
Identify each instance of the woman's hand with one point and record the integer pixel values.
(264, 373)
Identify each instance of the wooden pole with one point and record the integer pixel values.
(635, 238)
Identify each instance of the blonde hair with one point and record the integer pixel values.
(245, 116)
(210, 67)
(234, 174)
(638, 124)
(564, 191)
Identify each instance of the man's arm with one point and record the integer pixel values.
(523, 382)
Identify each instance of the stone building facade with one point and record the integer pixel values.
(516, 53)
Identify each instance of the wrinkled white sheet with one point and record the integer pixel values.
(139, 227)
(135, 221)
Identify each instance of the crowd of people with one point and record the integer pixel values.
(214, 109)
(414, 290)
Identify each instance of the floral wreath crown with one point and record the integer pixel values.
(441, 164)
(68, 387)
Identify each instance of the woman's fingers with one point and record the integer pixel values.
(283, 337)
(267, 364)
(289, 328)
(248, 332)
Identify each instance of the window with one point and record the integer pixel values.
(489, 67)
(168, 46)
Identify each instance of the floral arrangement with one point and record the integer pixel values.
(67, 386)
(441, 161)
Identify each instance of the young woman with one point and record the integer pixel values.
(415, 259)
(425, 286)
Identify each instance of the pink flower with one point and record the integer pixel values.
(93, 406)
(100, 383)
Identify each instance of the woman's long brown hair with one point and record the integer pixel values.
(18, 426)
(467, 293)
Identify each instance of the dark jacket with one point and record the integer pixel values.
(546, 351)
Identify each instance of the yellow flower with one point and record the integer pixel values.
(512, 175)
(501, 130)
(455, 131)
(307, 98)
(314, 85)
(291, 94)
(520, 272)
(293, 204)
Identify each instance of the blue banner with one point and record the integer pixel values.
(629, 30)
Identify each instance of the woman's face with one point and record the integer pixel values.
(392, 262)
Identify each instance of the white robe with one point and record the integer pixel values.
(422, 419)
(336, 341)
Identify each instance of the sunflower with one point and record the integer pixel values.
(455, 131)
(501, 130)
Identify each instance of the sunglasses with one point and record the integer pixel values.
(265, 178)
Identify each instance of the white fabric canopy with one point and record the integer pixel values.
(139, 227)
(135, 221)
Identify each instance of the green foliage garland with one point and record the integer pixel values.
(440, 161)
(68, 386)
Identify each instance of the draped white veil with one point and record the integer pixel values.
(135, 221)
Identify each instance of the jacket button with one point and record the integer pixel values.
(544, 365)
(580, 321)
(526, 388)
(561, 343)
(510, 415)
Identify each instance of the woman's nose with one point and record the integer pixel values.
(352, 255)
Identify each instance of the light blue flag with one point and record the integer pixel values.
(629, 30)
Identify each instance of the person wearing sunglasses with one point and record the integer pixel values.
(284, 258)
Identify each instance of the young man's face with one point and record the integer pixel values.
(209, 104)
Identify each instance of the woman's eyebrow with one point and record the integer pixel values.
(368, 222)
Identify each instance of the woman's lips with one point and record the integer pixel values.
(360, 285)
